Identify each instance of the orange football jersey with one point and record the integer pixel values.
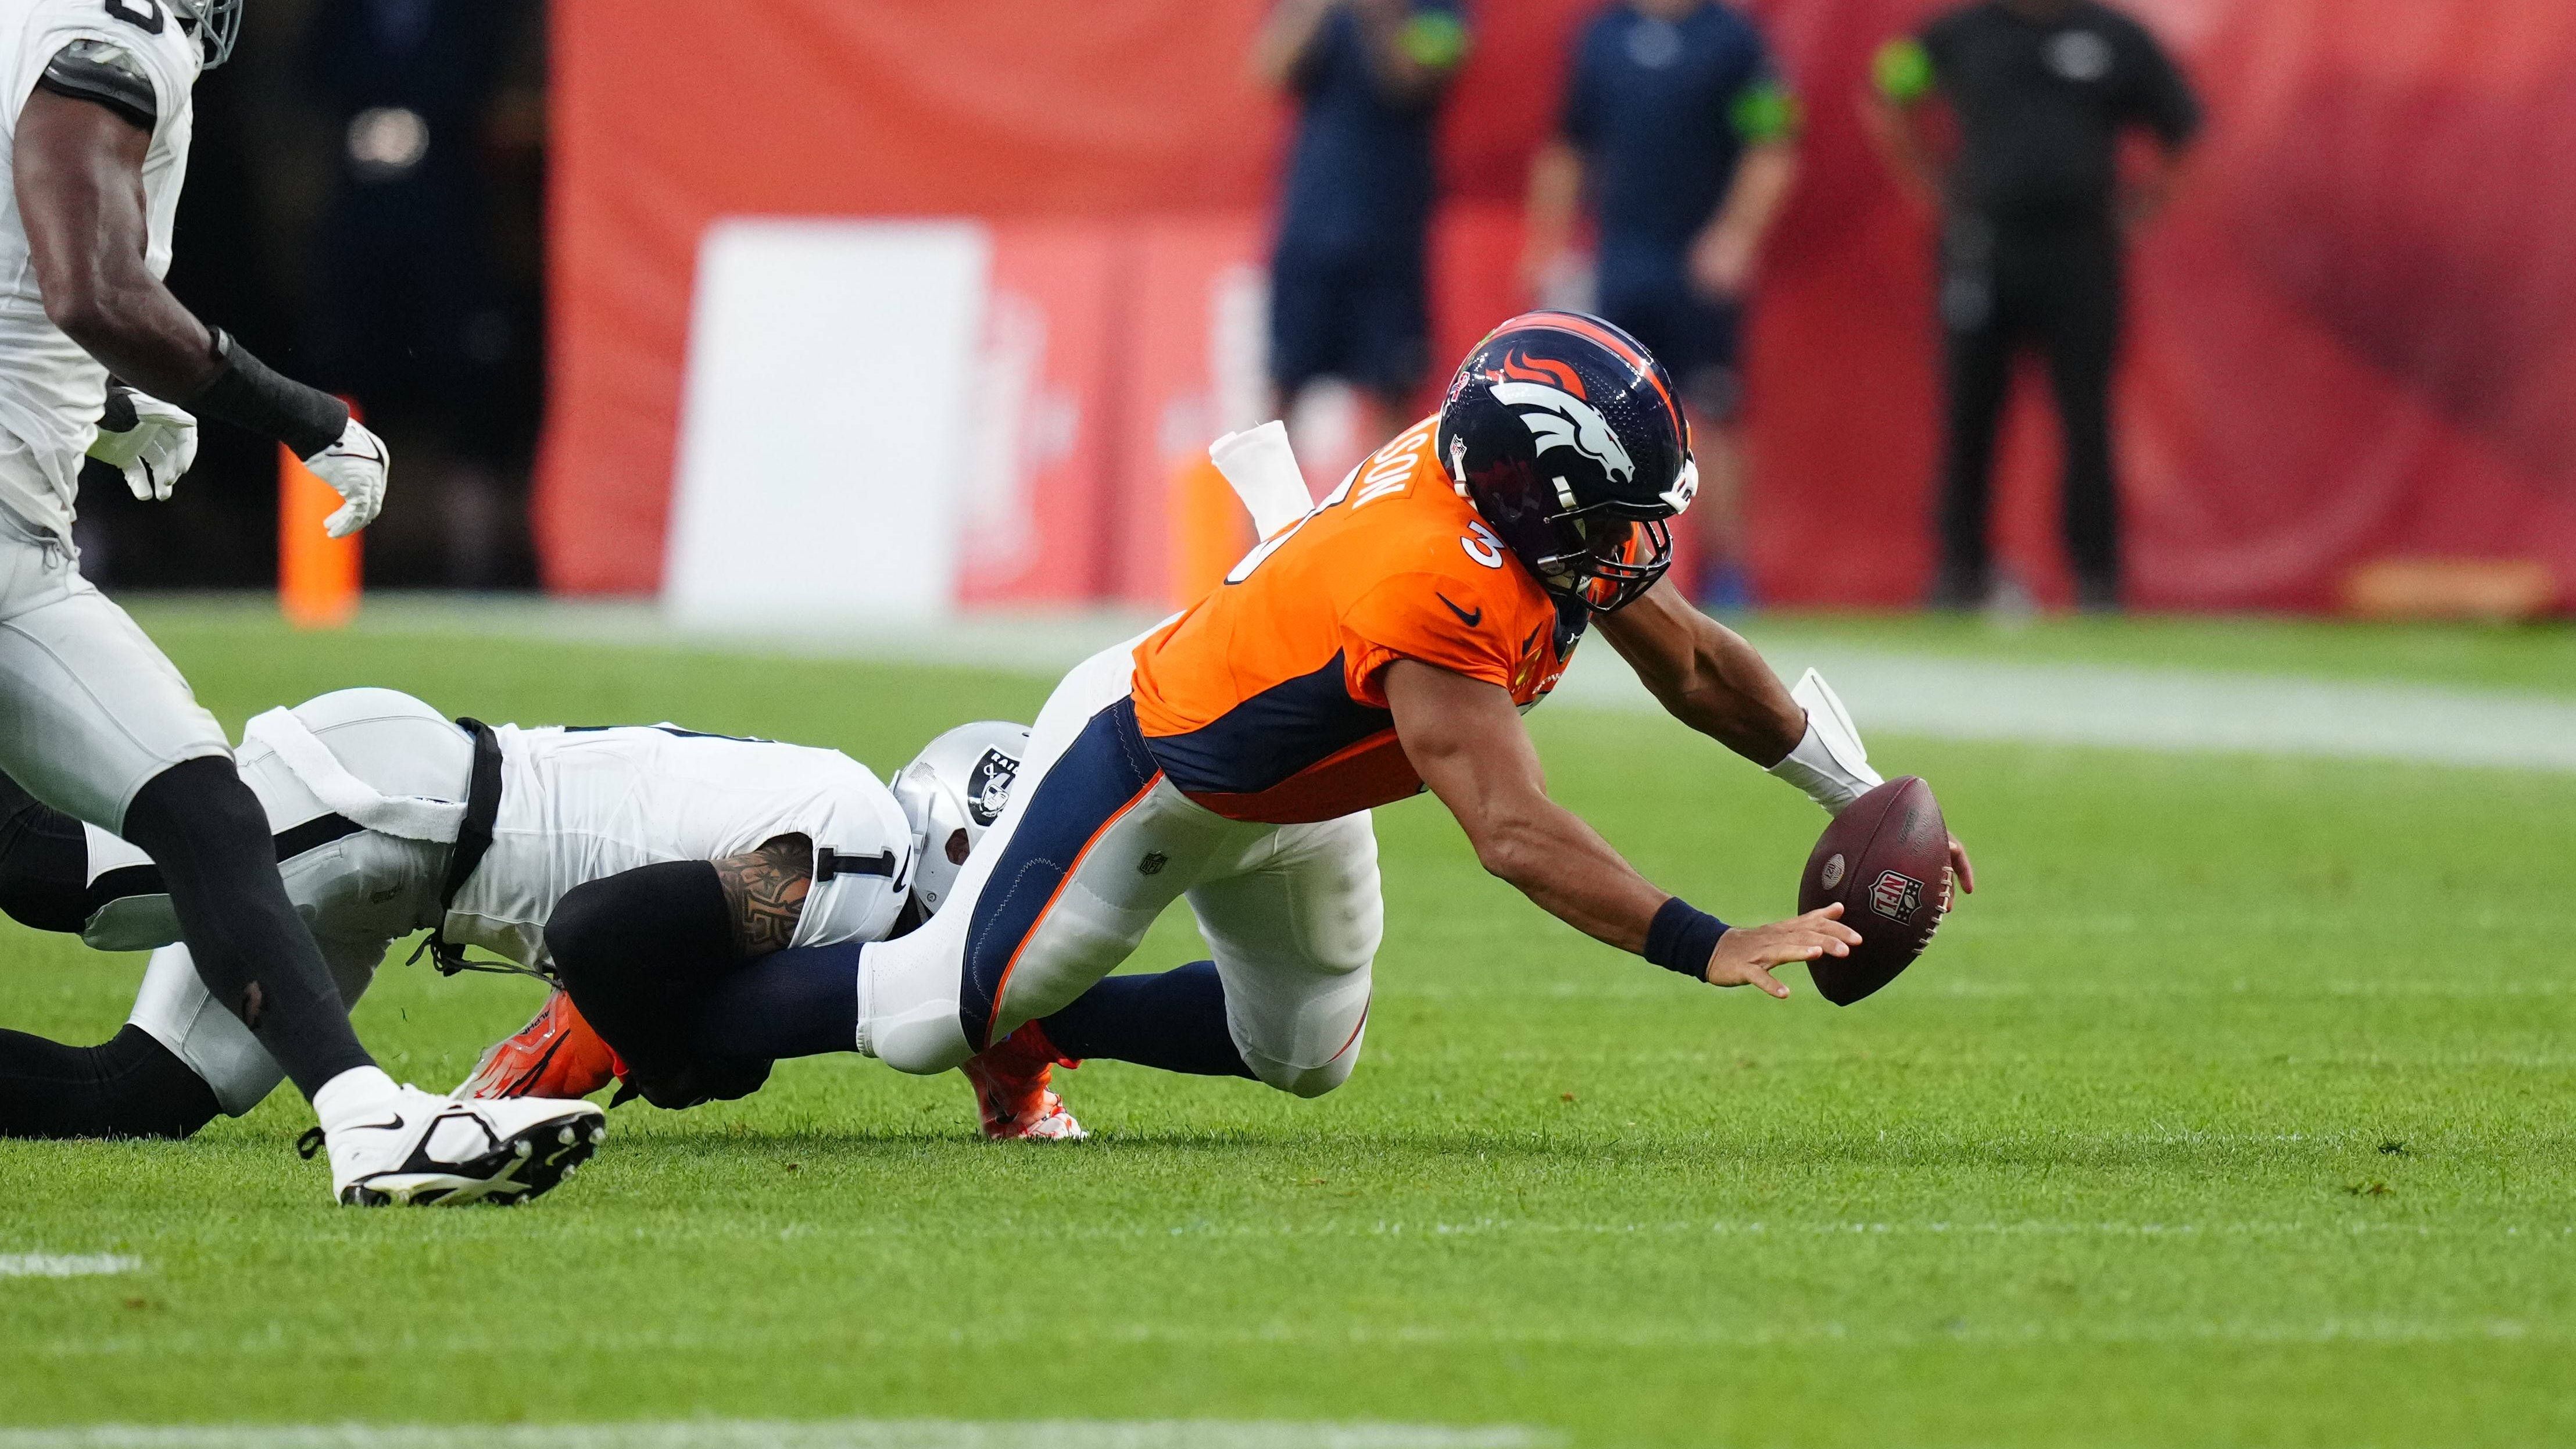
(1263, 701)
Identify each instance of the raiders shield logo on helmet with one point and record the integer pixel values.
(988, 789)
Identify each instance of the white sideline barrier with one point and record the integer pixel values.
(824, 423)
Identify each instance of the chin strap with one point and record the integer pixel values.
(1830, 764)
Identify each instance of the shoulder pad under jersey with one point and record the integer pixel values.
(110, 75)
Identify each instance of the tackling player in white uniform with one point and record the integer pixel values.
(94, 139)
(391, 819)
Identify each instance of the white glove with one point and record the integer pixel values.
(158, 443)
(355, 468)
(1830, 764)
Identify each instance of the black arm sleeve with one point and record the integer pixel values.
(93, 70)
(640, 952)
(247, 393)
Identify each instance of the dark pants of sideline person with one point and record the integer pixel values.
(2003, 288)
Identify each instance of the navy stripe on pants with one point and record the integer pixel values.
(1106, 768)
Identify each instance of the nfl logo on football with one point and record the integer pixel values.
(1896, 896)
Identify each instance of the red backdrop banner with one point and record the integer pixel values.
(2353, 338)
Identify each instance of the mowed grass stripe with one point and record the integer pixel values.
(749, 1434)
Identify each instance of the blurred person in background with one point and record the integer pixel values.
(413, 311)
(1347, 284)
(2035, 217)
(1681, 139)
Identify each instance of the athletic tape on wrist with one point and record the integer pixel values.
(247, 393)
(1683, 938)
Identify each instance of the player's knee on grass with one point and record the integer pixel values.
(1300, 1032)
(1308, 1082)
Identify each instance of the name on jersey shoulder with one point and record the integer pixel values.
(1391, 470)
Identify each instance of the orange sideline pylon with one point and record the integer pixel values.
(318, 576)
(1209, 530)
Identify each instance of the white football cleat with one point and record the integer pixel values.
(419, 1148)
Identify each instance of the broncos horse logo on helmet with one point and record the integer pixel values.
(1564, 432)
(1560, 420)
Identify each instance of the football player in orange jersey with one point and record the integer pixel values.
(1385, 643)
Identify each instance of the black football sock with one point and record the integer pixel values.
(1174, 1021)
(129, 1087)
(799, 1003)
(44, 863)
(205, 830)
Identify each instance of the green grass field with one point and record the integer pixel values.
(2233, 1110)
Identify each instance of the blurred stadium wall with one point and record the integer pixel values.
(2354, 339)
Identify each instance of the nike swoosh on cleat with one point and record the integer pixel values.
(396, 1125)
(1470, 620)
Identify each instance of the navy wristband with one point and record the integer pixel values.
(1683, 937)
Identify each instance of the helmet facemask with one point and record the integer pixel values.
(218, 27)
(1605, 556)
(1610, 573)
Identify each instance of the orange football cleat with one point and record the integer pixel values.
(1012, 1080)
(555, 1055)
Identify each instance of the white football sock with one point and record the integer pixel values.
(353, 1093)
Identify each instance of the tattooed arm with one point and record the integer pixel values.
(764, 893)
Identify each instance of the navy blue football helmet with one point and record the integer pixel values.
(1566, 435)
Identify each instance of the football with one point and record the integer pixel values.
(1887, 859)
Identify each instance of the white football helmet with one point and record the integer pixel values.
(952, 792)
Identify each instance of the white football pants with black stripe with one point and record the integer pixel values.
(358, 890)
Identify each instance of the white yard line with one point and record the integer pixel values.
(65, 1265)
(759, 1434)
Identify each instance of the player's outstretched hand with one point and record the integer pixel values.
(355, 467)
(150, 441)
(1959, 867)
(1746, 954)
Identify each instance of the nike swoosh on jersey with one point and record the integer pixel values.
(1470, 620)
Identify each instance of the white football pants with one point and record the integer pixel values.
(90, 709)
(1095, 843)
(358, 890)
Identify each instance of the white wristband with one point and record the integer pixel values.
(1830, 764)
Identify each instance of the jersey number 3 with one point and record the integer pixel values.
(144, 15)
